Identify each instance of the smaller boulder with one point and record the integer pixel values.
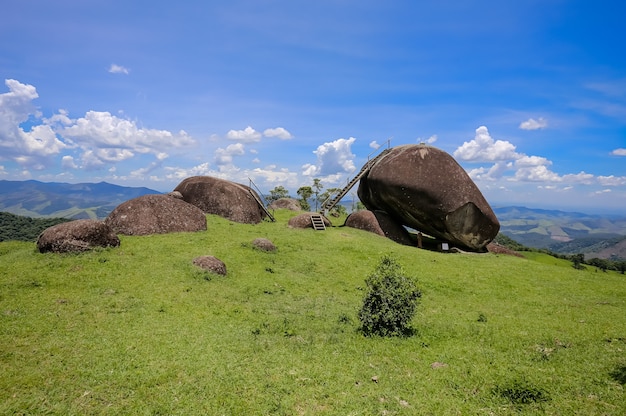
(76, 236)
(263, 244)
(211, 264)
(304, 221)
(286, 203)
(379, 222)
(156, 214)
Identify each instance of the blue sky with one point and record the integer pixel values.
(529, 97)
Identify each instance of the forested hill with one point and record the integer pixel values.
(16, 227)
(64, 200)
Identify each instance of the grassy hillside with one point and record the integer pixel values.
(139, 330)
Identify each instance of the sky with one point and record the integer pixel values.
(529, 97)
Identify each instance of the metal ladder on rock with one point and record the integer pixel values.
(258, 201)
(333, 200)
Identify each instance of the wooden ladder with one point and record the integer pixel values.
(318, 222)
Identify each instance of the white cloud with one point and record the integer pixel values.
(105, 138)
(527, 161)
(612, 180)
(619, 152)
(178, 173)
(31, 148)
(526, 168)
(603, 191)
(279, 133)
(332, 158)
(538, 173)
(581, 177)
(225, 156)
(67, 162)
(118, 69)
(374, 145)
(532, 124)
(247, 135)
(432, 139)
(484, 149)
(270, 177)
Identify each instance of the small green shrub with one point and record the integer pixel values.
(522, 392)
(390, 302)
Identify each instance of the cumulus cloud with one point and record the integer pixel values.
(374, 145)
(105, 138)
(332, 158)
(247, 135)
(178, 173)
(97, 139)
(612, 180)
(279, 133)
(532, 124)
(67, 162)
(485, 149)
(225, 156)
(31, 147)
(524, 168)
(538, 173)
(619, 152)
(432, 139)
(118, 69)
(271, 176)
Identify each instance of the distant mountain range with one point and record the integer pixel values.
(559, 231)
(565, 232)
(63, 200)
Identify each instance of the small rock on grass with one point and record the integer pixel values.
(211, 264)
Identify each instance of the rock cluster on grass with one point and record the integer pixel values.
(424, 188)
(227, 199)
(77, 236)
(156, 214)
(304, 221)
(263, 244)
(211, 264)
(286, 203)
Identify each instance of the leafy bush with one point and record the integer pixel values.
(391, 301)
(522, 392)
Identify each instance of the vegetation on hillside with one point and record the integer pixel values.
(139, 330)
(19, 228)
(578, 259)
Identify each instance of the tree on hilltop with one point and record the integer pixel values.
(305, 193)
(278, 193)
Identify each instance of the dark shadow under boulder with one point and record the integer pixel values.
(156, 214)
(379, 222)
(77, 236)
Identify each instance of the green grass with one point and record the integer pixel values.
(139, 330)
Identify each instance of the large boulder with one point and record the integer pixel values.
(227, 199)
(304, 221)
(426, 189)
(155, 214)
(76, 236)
(286, 203)
(379, 222)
